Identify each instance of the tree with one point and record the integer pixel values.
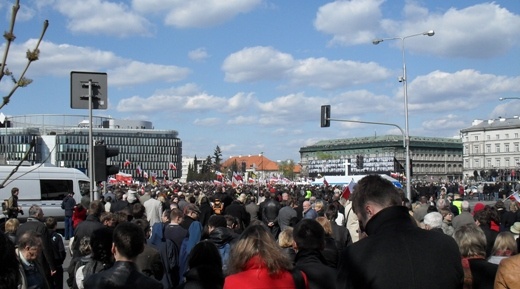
(32, 55)
(217, 155)
(286, 168)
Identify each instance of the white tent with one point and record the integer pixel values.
(345, 180)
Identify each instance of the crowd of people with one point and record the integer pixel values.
(203, 235)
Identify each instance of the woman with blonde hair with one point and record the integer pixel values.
(256, 261)
(330, 251)
(504, 247)
(285, 241)
(472, 246)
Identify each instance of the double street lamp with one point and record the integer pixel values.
(405, 91)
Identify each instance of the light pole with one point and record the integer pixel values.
(504, 98)
(405, 91)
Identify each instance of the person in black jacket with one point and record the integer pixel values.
(205, 268)
(68, 205)
(269, 212)
(35, 223)
(127, 244)
(394, 252)
(309, 242)
(85, 228)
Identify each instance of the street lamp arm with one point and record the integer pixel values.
(373, 122)
(504, 98)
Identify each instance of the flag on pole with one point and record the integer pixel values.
(127, 163)
(139, 170)
(325, 182)
(347, 190)
(145, 175)
(164, 172)
(515, 197)
(172, 167)
(219, 175)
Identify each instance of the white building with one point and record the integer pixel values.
(492, 147)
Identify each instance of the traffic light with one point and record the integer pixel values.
(325, 115)
(101, 168)
(359, 161)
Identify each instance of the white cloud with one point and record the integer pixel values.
(210, 121)
(349, 22)
(135, 72)
(198, 54)
(196, 13)
(439, 91)
(256, 63)
(103, 18)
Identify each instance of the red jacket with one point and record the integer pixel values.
(78, 216)
(256, 276)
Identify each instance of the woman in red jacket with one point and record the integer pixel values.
(256, 261)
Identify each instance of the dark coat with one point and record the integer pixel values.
(47, 256)
(341, 235)
(312, 263)
(237, 210)
(124, 275)
(68, 205)
(203, 277)
(205, 212)
(84, 229)
(483, 273)
(395, 248)
(149, 263)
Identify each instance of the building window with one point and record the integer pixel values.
(488, 137)
(516, 135)
(497, 163)
(507, 162)
(507, 136)
(517, 148)
(506, 147)
(488, 163)
(488, 148)
(517, 162)
(476, 138)
(477, 164)
(497, 136)
(497, 148)
(475, 149)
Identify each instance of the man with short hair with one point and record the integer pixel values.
(127, 245)
(153, 209)
(68, 205)
(308, 211)
(309, 242)
(464, 218)
(35, 223)
(395, 252)
(85, 228)
(32, 273)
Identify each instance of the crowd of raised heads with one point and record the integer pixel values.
(211, 236)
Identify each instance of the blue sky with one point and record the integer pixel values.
(250, 75)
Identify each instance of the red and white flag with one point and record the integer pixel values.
(127, 163)
(325, 182)
(515, 197)
(172, 167)
(139, 170)
(145, 175)
(164, 172)
(347, 190)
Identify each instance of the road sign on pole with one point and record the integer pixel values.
(83, 84)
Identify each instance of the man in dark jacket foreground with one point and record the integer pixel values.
(128, 243)
(395, 253)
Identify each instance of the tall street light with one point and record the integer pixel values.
(405, 91)
(504, 98)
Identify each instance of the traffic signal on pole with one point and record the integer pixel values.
(325, 115)
(101, 169)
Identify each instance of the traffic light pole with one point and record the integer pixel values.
(90, 144)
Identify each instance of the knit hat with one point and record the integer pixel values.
(478, 207)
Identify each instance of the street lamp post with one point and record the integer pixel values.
(504, 98)
(405, 91)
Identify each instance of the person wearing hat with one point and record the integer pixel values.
(68, 205)
(515, 229)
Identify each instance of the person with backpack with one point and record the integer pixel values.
(222, 236)
(11, 207)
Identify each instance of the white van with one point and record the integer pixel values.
(45, 186)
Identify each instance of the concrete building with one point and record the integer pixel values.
(492, 149)
(62, 140)
(432, 159)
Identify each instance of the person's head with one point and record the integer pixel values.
(165, 217)
(256, 240)
(447, 215)
(128, 241)
(51, 223)
(308, 234)
(432, 220)
(144, 225)
(12, 225)
(205, 253)
(107, 219)
(15, 191)
(36, 212)
(505, 245)
(465, 206)
(101, 244)
(372, 194)
(30, 245)
(176, 216)
(325, 224)
(306, 206)
(216, 221)
(471, 240)
(331, 212)
(318, 205)
(442, 204)
(285, 239)
(482, 217)
(96, 208)
(192, 211)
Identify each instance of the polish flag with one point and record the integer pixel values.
(515, 197)
(172, 167)
(127, 163)
(138, 170)
(164, 172)
(348, 190)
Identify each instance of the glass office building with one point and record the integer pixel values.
(62, 140)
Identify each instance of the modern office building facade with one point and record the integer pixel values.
(492, 149)
(62, 140)
(433, 159)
